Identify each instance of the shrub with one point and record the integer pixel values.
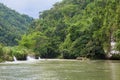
(68, 55)
(115, 57)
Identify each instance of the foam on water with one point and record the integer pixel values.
(29, 58)
(15, 59)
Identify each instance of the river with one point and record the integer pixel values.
(60, 70)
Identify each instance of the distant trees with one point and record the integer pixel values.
(75, 28)
(70, 28)
(12, 25)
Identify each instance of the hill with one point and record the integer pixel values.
(12, 25)
(76, 28)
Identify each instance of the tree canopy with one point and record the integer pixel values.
(75, 28)
(12, 25)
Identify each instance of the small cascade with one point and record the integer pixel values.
(15, 59)
(39, 58)
(29, 58)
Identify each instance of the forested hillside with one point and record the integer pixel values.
(71, 29)
(76, 28)
(12, 25)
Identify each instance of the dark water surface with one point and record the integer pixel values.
(60, 70)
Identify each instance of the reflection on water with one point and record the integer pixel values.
(60, 70)
(115, 71)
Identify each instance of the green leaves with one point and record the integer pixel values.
(12, 25)
(75, 28)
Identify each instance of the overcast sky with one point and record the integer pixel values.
(29, 7)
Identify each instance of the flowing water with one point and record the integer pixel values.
(15, 59)
(29, 58)
(60, 70)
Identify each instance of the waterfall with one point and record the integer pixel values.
(39, 58)
(29, 58)
(15, 59)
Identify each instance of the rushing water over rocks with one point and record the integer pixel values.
(15, 59)
(29, 58)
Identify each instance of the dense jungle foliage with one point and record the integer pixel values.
(12, 25)
(75, 28)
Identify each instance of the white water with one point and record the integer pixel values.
(29, 58)
(15, 59)
(39, 58)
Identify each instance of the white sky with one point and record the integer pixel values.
(29, 7)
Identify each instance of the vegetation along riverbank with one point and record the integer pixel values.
(71, 29)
